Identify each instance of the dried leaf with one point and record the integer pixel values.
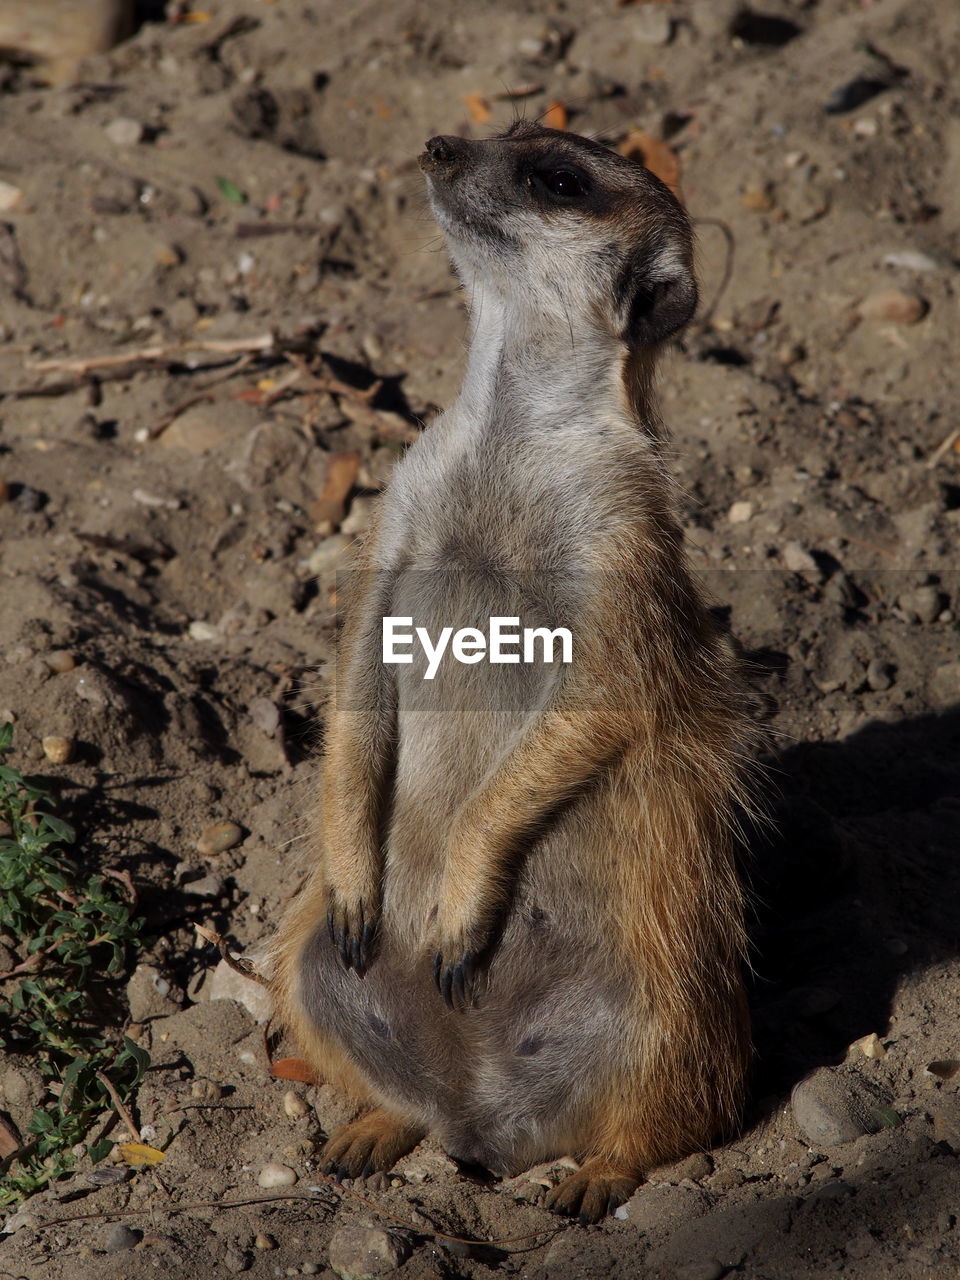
(479, 108)
(139, 1156)
(292, 1069)
(9, 1142)
(654, 154)
(341, 476)
(555, 116)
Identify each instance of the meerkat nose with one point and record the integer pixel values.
(445, 154)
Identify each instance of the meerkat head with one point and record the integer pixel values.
(561, 226)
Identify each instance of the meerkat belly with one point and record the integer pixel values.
(509, 1081)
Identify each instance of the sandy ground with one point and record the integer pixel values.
(170, 527)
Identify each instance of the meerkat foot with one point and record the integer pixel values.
(456, 979)
(596, 1190)
(372, 1144)
(353, 931)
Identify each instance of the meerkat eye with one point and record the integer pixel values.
(565, 184)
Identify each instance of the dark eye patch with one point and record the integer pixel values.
(559, 183)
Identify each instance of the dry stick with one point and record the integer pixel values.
(263, 344)
(943, 448)
(311, 1199)
(727, 266)
(237, 964)
(118, 1103)
(160, 427)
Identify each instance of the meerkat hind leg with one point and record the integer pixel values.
(594, 1191)
(372, 1144)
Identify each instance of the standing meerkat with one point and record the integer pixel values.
(524, 933)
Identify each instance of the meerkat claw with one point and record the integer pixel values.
(353, 936)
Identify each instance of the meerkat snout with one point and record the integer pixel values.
(564, 229)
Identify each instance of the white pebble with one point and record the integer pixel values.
(124, 132)
(740, 512)
(276, 1175)
(10, 196)
(294, 1105)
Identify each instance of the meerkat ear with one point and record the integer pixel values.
(652, 307)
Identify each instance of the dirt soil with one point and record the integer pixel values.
(175, 529)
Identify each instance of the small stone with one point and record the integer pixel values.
(227, 984)
(758, 197)
(124, 132)
(60, 660)
(211, 886)
(945, 684)
(203, 631)
(22, 1218)
(309, 1268)
(695, 1167)
(122, 1238)
(276, 1175)
(650, 24)
(922, 604)
(293, 1105)
(870, 1046)
(363, 1253)
(829, 1111)
(206, 1090)
(10, 196)
(740, 512)
(57, 750)
(798, 559)
(262, 1241)
(910, 260)
(265, 714)
(880, 675)
(236, 1260)
(218, 838)
(29, 499)
(894, 305)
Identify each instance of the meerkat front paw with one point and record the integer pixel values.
(353, 929)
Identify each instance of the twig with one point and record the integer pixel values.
(160, 427)
(236, 963)
(943, 448)
(727, 266)
(263, 344)
(312, 1199)
(334, 385)
(249, 230)
(118, 1103)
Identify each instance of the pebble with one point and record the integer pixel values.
(203, 631)
(798, 559)
(363, 1253)
(893, 304)
(942, 1069)
(218, 838)
(262, 1241)
(276, 1175)
(58, 750)
(910, 260)
(265, 714)
(871, 1046)
(310, 1269)
(740, 512)
(122, 1238)
(923, 604)
(60, 660)
(211, 886)
(124, 132)
(227, 984)
(149, 994)
(293, 1105)
(29, 499)
(829, 1111)
(10, 196)
(650, 24)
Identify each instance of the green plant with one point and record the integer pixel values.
(70, 933)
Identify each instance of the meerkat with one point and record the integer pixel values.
(524, 930)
